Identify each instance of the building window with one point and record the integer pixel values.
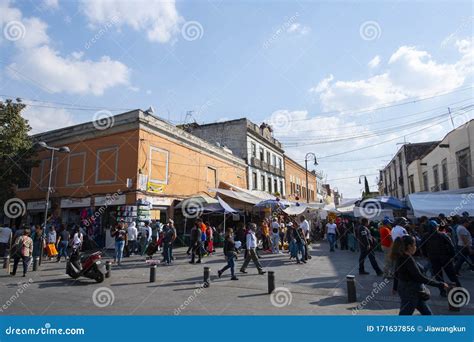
(463, 158)
(269, 185)
(435, 178)
(275, 185)
(254, 180)
(274, 160)
(262, 179)
(211, 177)
(158, 167)
(76, 168)
(444, 171)
(106, 165)
(262, 155)
(425, 181)
(281, 188)
(411, 183)
(254, 150)
(268, 157)
(280, 164)
(25, 180)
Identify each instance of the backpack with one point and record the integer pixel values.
(16, 248)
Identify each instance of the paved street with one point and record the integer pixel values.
(317, 288)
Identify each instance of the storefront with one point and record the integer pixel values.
(108, 211)
(75, 210)
(35, 212)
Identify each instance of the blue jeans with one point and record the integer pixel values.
(300, 248)
(119, 250)
(331, 240)
(63, 249)
(230, 264)
(167, 251)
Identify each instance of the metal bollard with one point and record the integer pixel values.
(207, 276)
(152, 273)
(35, 263)
(108, 266)
(351, 289)
(6, 261)
(271, 281)
(450, 307)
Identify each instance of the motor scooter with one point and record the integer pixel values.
(87, 265)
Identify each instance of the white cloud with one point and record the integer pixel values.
(69, 74)
(44, 119)
(410, 73)
(51, 4)
(298, 29)
(374, 62)
(35, 57)
(160, 19)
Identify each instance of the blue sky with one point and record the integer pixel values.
(306, 67)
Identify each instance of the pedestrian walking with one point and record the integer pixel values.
(400, 228)
(120, 235)
(331, 231)
(195, 242)
(5, 239)
(275, 236)
(439, 249)
(22, 250)
(367, 245)
(464, 245)
(230, 253)
(409, 279)
(63, 243)
(132, 235)
(251, 241)
(169, 235)
(386, 243)
(145, 237)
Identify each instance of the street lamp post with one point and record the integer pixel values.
(306, 169)
(63, 149)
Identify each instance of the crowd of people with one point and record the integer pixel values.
(435, 246)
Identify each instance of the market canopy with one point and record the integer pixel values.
(199, 201)
(433, 204)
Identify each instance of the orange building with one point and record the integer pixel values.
(295, 182)
(133, 165)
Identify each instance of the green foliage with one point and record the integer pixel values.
(17, 153)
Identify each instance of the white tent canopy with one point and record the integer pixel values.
(373, 214)
(433, 204)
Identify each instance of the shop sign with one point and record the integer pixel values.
(156, 188)
(113, 199)
(75, 202)
(160, 201)
(37, 205)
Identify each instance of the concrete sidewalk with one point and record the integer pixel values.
(315, 288)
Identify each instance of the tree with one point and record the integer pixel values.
(17, 152)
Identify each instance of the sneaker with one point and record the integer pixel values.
(234, 278)
(198, 262)
(304, 261)
(262, 272)
(191, 262)
(243, 271)
(219, 273)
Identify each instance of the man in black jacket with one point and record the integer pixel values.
(439, 249)
(367, 245)
(195, 243)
